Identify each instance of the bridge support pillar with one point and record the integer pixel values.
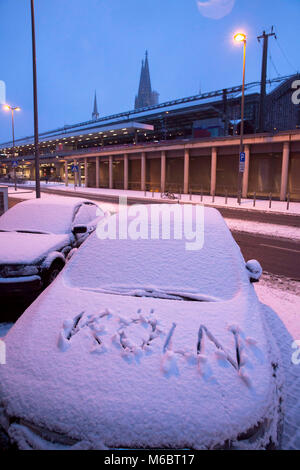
(110, 172)
(79, 173)
(32, 173)
(163, 172)
(186, 171)
(126, 171)
(284, 170)
(66, 174)
(97, 172)
(86, 176)
(61, 171)
(143, 171)
(246, 171)
(213, 171)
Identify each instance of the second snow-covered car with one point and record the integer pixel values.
(35, 238)
(145, 344)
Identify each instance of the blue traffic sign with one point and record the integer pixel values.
(15, 164)
(242, 162)
(74, 168)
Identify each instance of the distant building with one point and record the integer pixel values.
(281, 113)
(189, 144)
(95, 114)
(146, 97)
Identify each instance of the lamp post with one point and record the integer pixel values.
(241, 37)
(36, 130)
(7, 107)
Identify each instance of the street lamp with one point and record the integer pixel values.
(35, 107)
(7, 107)
(241, 37)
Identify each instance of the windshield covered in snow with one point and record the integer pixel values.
(148, 267)
(47, 218)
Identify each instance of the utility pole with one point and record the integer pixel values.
(265, 37)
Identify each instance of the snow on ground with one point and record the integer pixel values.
(283, 231)
(261, 205)
(25, 194)
(233, 224)
(283, 296)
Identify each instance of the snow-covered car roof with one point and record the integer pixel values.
(212, 269)
(49, 215)
(56, 200)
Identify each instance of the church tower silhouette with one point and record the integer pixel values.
(146, 97)
(95, 113)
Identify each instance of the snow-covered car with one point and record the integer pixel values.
(35, 238)
(145, 344)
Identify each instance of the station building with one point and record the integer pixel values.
(188, 145)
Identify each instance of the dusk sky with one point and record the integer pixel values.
(89, 45)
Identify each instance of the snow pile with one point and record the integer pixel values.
(283, 297)
(272, 230)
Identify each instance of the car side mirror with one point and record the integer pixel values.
(254, 270)
(79, 229)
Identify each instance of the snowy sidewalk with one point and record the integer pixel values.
(261, 205)
(234, 224)
(271, 230)
(283, 296)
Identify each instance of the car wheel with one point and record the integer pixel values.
(52, 272)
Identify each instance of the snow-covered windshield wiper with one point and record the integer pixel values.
(2, 230)
(32, 231)
(155, 293)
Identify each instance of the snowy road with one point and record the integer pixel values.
(276, 255)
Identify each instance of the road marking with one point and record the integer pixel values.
(279, 248)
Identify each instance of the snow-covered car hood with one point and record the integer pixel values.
(28, 248)
(118, 371)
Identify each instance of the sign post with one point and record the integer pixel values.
(75, 170)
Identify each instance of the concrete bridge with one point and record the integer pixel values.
(272, 165)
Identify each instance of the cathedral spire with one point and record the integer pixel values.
(95, 113)
(146, 97)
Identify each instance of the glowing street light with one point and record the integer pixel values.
(7, 107)
(241, 37)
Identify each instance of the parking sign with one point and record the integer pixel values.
(242, 162)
